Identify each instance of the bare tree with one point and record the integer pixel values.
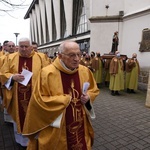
(7, 6)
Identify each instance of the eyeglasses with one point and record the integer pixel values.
(73, 55)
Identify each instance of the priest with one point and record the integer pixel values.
(59, 112)
(17, 95)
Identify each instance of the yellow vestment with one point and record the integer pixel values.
(10, 68)
(2, 53)
(2, 58)
(98, 69)
(7, 117)
(116, 75)
(48, 101)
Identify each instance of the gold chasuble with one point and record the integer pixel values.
(17, 98)
(57, 92)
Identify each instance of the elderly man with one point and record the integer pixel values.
(116, 74)
(10, 49)
(59, 109)
(17, 94)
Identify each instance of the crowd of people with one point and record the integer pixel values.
(54, 107)
(116, 71)
(49, 101)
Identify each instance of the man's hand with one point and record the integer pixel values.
(18, 77)
(84, 98)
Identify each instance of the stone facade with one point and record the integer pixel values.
(148, 93)
(144, 78)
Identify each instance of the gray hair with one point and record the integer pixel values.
(24, 39)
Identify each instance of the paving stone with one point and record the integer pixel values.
(130, 147)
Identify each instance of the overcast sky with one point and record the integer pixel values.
(10, 25)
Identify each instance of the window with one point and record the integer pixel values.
(62, 20)
(79, 17)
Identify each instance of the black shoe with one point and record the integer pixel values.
(107, 83)
(99, 85)
(113, 93)
(132, 91)
(128, 90)
(117, 93)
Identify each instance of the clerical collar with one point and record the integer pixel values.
(66, 66)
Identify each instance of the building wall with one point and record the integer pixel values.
(132, 36)
(98, 7)
(135, 19)
(128, 6)
(133, 6)
(130, 28)
(103, 22)
(101, 36)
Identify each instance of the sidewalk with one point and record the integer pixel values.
(7, 141)
(122, 123)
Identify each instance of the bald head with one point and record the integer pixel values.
(67, 46)
(134, 55)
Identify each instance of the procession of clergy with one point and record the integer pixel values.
(116, 71)
(119, 73)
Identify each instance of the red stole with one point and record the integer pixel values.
(74, 112)
(24, 92)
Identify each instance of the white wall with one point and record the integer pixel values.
(98, 7)
(130, 30)
(134, 5)
(132, 35)
(101, 36)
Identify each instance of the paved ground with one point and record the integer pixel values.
(122, 123)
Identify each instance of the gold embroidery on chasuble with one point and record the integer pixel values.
(25, 66)
(24, 92)
(74, 113)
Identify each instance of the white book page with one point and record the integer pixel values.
(27, 74)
